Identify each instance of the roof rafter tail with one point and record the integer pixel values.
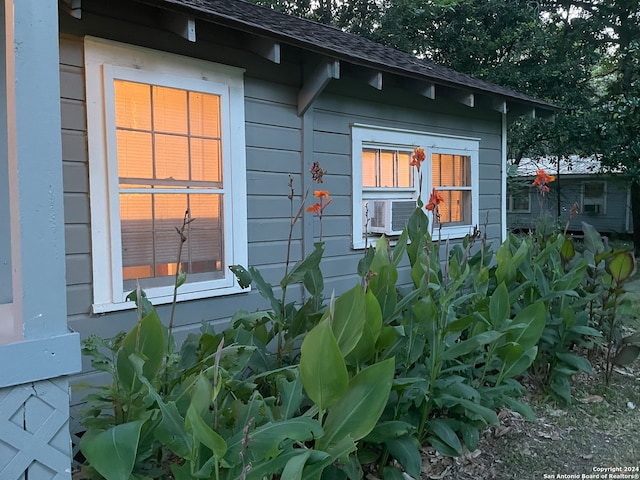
(323, 73)
(73, 8)
(264, 47)
(182, 25)
(370, 76)
(421, 87)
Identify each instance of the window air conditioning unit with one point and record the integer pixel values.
(591, 208)
(389, 216)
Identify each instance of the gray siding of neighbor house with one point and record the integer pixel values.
(613, 220)
(279, 143)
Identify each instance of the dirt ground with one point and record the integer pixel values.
(599, 430)
(596, 436)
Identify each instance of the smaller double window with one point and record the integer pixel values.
(386, 186)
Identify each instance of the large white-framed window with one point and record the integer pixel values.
(385, 187)
(166, 137)
(594, 197)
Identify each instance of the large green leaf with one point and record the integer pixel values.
(322, 368)
(314, 281)
(171, 431)
(592, 238)
(383, 286)
(265, 442)
(621, 266)
(204, 434)
(300, 269)
(499, 306)
(355, 414)
(469, 345)
(446, 434)
(486, 414)
(295, 466)
(290, 395)
(626, 355)
(113, 452)
(406, 451)
(389, 430)
(519, 365)
(575, 361)
(265, 290)
(526, 328)
(243, 276)
(146, 339)
(349, 317)
(365, 348)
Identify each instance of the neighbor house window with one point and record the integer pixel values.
(166, 145)
(386, 187)
(519, 202)
(594, 197)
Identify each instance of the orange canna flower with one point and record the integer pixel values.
(417, 157)
(315, 208)
(319, 207)
(541, 181)
(435, 199)
(321, 194)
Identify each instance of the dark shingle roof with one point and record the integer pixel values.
(333, 42)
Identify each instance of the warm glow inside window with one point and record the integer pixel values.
(386, 168)
(169, 161)
(451, 176)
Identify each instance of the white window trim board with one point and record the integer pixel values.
(370, 135)
(106, 60)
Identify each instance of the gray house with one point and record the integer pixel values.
(603, 198)
(122, 115)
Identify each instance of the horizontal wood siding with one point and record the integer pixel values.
(273, 153)
(333, 116)
(275, 140)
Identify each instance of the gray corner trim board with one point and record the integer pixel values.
(44, 358)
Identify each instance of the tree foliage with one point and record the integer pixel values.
(581, 55)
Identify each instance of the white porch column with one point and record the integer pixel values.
(38, 351)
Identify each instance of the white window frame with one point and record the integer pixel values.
(106, 61)
(604, 197)
(363, 136)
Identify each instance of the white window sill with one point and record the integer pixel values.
(452, 233)
(98, 308)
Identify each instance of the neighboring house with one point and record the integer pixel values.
(211, 105)
(603, 199)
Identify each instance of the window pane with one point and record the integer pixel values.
(206, 161)
(456, 208)
(369, 168)
(150, 242)
(405, 170)
(137, 236)
(204, 115)
(386, 168)
(135, 154)
(133, 105)
(463, 170)
(205, 243)
(521, 202)
(172, 157)
(169, 110)
(594, 190)
(451, 170)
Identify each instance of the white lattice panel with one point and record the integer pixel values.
(34, 431)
